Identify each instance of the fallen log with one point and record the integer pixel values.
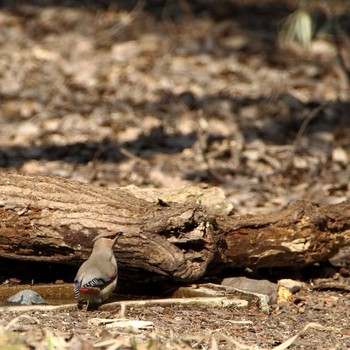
(301, 234)
(46, 218)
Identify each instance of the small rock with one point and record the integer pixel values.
(12, 281)
(342, 258)
(26, 297)
(262, 287)
(292, 285)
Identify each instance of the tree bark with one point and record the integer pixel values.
(46, 218)
(52, 219)
(301, 234)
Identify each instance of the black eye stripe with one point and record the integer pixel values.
(115, 235)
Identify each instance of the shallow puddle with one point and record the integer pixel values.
(54, 294)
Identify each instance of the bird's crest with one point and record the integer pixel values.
(110, 235)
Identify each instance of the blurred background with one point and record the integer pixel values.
(247, 95)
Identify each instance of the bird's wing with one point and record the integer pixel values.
(93, 286)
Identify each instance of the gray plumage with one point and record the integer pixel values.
(98, 275)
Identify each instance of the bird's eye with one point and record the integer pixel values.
(117, 234)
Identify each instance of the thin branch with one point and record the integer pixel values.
(300, 134)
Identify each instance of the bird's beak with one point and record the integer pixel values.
(118, 234)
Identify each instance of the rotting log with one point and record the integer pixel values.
(301, 234)
(44, 218)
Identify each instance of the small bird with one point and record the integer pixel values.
(97, 276)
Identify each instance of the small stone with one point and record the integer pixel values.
(26, 297)
(262, 287)
(292, 285)
(13, 281)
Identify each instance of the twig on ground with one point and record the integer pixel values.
(286, 344)
(311, 325)
(300, 133)
(201, 301)
(19, 319)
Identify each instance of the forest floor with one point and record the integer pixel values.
(166, 96)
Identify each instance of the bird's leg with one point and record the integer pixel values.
(81, 303)
(92, 306)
